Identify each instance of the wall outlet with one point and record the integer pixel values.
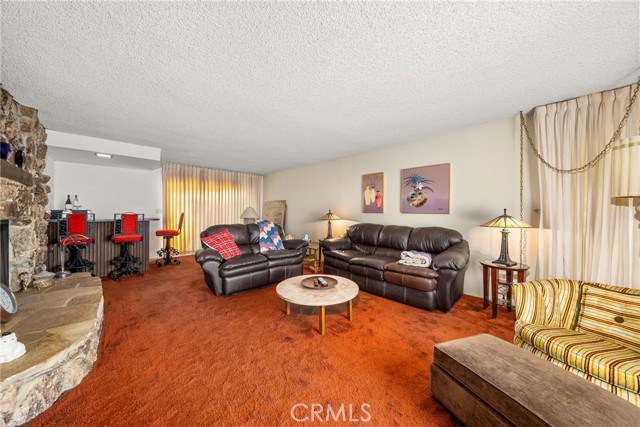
(158, 210)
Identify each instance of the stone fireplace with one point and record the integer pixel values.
(60, 325)
(23, 191)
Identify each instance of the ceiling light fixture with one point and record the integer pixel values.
(104, 155)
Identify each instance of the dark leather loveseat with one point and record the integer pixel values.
(368, 255)
(251, 269)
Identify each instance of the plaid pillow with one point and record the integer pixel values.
(269, 237)
(222, 242)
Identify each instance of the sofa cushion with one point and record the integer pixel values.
(433, 239)
(283, 257)
(243, 264)
(628, 395)
(371, 266)
(365, 235)
(411, 270)
(394, 237)
(346, 255)
(336, 263)
(420, 278)
(367, 272)
(611, 312)
(365, 249)
(409, 281)
(372, 261)
(223, 243)
(393, 240)
(388, 252)
(589, 353)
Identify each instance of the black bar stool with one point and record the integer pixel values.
(167, 252)
(126, 231)
(74, 234)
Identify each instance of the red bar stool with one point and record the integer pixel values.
(167, 252)
(126, 231)
(74, 234)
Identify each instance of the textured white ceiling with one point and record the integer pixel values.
(265, 86)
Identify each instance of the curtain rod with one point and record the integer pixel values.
(592, 93)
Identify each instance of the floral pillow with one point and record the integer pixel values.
(222, 242)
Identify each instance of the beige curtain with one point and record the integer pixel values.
(207, 197)
(584, 234)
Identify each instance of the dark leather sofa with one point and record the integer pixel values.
(368, 255)
(251, 269)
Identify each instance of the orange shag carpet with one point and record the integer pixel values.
(173, 354)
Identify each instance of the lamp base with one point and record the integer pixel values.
(504, 250)
(329, 235)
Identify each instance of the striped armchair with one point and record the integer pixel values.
(589, 329)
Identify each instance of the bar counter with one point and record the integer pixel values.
(103, 250)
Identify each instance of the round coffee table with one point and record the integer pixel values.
(292, 292)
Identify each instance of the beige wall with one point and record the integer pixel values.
(107, 190)
(484, 180)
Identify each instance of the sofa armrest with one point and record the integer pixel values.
(455, 257)
(528, 299)
(336, 244)
(295, 244)
(207, 254)
(547, 302)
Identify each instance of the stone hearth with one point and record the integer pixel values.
(60, 327)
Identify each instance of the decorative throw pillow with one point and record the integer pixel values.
(611, 312)
(270, 239)
(222, 242)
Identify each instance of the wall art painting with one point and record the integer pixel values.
(372, 193)
(276, 212)
(425, 189)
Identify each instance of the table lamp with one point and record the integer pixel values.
(329, 216)
(249, 215)
(505, 221)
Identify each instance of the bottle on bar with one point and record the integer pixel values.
(67, 204)
(76, 203)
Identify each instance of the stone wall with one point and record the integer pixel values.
(22, 204)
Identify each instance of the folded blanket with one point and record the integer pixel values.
(269, 237)
(415, 258)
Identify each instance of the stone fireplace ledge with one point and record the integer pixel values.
(14, 173)
(60, 327)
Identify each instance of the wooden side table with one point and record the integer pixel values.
(490, 271)
(312, 257)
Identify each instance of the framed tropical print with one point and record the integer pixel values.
(372, 193)
(425, 189)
